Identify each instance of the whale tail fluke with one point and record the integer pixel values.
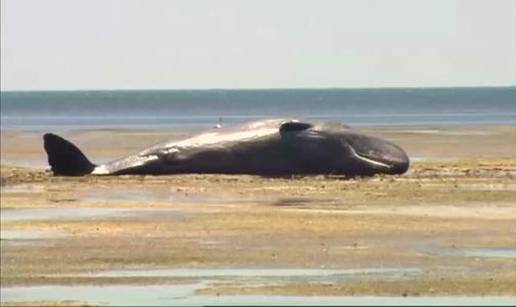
(65, 158)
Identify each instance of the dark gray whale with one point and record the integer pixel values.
(272, 147)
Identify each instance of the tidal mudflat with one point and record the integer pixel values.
(445, 232)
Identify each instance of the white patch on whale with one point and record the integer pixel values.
(106, 169)
(100, 170)
(212, 138)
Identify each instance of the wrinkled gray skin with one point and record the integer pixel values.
(271, 148)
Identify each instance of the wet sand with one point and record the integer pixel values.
(446, 229)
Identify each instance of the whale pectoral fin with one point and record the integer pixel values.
(294, 126)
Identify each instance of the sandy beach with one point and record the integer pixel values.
(447, 228)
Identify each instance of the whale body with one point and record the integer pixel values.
(272, 147)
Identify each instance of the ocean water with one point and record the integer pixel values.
(200, 109)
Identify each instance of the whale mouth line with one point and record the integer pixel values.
(369, 160)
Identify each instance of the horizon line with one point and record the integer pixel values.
(259, 88)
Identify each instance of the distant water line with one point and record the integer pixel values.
(201, 109)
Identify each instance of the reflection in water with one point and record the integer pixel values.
(184, 295)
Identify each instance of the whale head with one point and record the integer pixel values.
(340, 149)
(370, 155)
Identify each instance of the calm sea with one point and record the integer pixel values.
(199, 109)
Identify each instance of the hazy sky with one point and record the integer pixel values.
(127, 44)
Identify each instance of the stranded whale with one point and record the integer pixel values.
(269, 147)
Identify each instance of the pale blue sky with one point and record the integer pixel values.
(128, 44)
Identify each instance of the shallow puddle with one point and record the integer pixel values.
(67, 213)
(119, 295)
(278, 274)
(118, 195)
(147, 196)
(479, 252)
(8, 235)
(185, 295)
(492, 252)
